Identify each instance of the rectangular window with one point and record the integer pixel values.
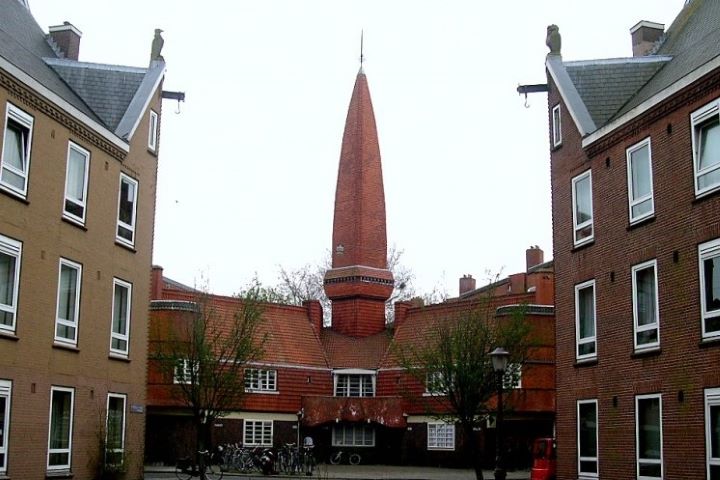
(152, 134)
(184, 371)
(513, 376)
(645, 305)
(648, 432)
(15, 160)
(712, 432)
(10, 253)
(127, 209)
(706, 148)
(257, 379)
(440, 436)
(76, 183)
(582, 208)
(556, 126)
(354, 385)
(61, 425)
(585, 322)
(5, 394)
(115, 429)
(355, 435)
(68, 303)
(587, 437)
(435, 383)
(258, 433)
(709, 254)
(640, 181)
(121, 306)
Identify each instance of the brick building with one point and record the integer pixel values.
(78, 168)
(340, 383)
(635, 168)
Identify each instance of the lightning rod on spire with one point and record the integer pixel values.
(362, 57)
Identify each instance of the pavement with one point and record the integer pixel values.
(359, 472)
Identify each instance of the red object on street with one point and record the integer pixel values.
(544, 459)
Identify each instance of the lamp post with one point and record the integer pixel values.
(499, 358)
(300, 415)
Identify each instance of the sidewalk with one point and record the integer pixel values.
(373, 472)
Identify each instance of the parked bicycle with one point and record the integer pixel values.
(187, 469)
(339, 456)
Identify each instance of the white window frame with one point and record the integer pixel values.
(260, 380)
(557, 126)
(120, 450)
(632, 201)
(182, 373)
(712, 399)
(68, 450)
(581, 459)
(435, 384)
(638, 460)
(153, 130)
(577, 227)
(350, 374)
(509, 382)
(697, 119)
(128, 308)
(250, 433)
(24, 120)
(593, 338)
(358, 435)
(11, 248)
(121, 224)
(440, 436)
(707, 251)
(86, 174)
(5, 392)
(68, 322)
(651, 326)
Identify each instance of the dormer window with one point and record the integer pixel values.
(354, 383)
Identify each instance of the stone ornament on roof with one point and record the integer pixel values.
(157, 45)
(553, 40)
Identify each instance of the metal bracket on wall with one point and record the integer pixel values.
(536, 88)
(179, 96)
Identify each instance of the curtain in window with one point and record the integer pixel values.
(14, 155)
(120, 312)
(640, 167)
(645, 283)
(709, 144)
(76, 175)
(7, 286)
(583, 199)
(68, 281)
(586, 310)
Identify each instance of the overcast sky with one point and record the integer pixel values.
(248, 167)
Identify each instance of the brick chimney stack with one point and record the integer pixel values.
(67, 39)
(644, 36)
(467, 284)
(533, 256)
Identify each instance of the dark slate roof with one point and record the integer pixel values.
(107, 89)
(606, 85)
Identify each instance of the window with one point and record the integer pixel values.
(640, 181)
(120, 332)
(648, 432)
(115, 429)
(585, 322)
(355, 435)
(127, 207)
(712, 432)
(61, 425)
(706, 148)
(709, 254)
(10, 252)
(513, 376)
(354, 385)
(185, 371)
(68, 304)
(556, 126)
(260, 380)
(152, 134)
(645, 305)
(582, 208)
(587, 437)
(435, 383)
(5, 394)
(258, 433)
(15, 161)
(440, 436)
(76, 182)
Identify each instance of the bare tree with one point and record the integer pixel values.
(450, 356)
(205, 353)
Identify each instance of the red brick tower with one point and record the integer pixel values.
(359, 282)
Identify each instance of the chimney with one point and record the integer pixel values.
(401, 309)
(467, 284)
(156, 283)
(644, 36)
(315, 313)
(533, 256)
(67, 39)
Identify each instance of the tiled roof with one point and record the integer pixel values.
(349, 352)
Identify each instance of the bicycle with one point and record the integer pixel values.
(186, 469)
(353, 458)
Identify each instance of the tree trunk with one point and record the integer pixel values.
(200, 436)
(472, 451)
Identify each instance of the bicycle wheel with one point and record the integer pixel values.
(335, 458)
(183, 473)
(213, 472)
(355, 459)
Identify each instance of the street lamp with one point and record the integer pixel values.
(300, 415)
(499, 358)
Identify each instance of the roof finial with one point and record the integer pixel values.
(362, 56)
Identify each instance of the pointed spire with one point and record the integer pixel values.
(362, 56)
